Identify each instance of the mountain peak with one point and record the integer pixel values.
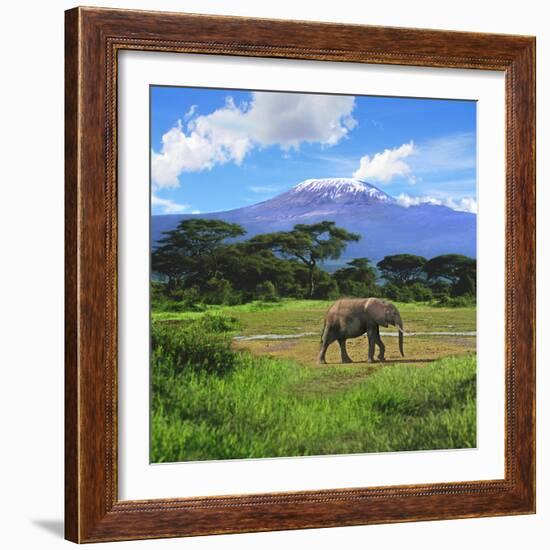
(337, 188)
(386, 227)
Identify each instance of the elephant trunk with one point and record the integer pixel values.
(399, 324)
(401, 342)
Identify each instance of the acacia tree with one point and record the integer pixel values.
(311, 244)
(358, 278)
(359, 269)
(192, 250)
(458, 270)
(449, 267)
(246, 269)
(401, 268)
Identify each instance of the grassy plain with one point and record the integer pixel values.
(272, 399)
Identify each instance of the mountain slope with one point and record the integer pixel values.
(386, 226)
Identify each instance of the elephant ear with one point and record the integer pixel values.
(392, 315)
(381, 312)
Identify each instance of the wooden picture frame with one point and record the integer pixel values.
(93, 511)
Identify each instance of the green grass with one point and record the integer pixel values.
(287, 304)
(266, 407)
(268, 399)
(291, 316)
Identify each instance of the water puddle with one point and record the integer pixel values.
(304, 334)
(275, 336)
(442, 333)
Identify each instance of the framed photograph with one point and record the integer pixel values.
(300, 275)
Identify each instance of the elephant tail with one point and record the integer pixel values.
(323, 331)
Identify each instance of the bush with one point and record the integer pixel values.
(162, 302)
(398, 293)
(326, 289)
(359, 289)
(415, 292)
(175, 299)
(296, 291)
(235, 298)
(458, 301)
(190, 297)
(217, 291)
(216, 323)
(420, 292)
(465, 286)
(266, 292)
(203, 345)
(440, 289)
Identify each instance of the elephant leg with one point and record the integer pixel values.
(371, 335)
(326, 341)
(345, 357)
(380, 345)
(322, 353)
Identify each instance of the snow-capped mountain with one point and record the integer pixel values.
(316, 197)
(340, 190)
(385, 226)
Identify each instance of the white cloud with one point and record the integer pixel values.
(181, 153)
(451, 153)
(231, 132)
(465, 204)
(191, 112)
(407, 200)
(291, 119)
(168, 206)
(383, 167)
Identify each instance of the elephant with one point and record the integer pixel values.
(353, 317)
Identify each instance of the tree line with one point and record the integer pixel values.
(209, 261)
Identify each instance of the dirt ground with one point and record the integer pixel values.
(419, 350)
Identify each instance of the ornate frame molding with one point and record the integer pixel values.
(93, 38)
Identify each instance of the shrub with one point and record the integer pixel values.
(266, 292)
(420, 292)
(217, 291)
(465, 286)
(398, 293)
(458, 301)
(440, 289)
(235, 298)
(190, 297)
(326, 289)
(170, 303)
(175, 299)
(359, 289)
(216, 323)
(201, 345)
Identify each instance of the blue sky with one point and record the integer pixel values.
(214, 150)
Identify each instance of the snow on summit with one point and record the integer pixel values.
(385, 225)
(334, 188)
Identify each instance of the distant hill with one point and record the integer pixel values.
(386, 227)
